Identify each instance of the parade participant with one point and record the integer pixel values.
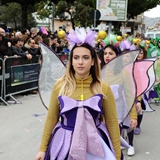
(154, 51)
(141, 55)
(120, 79)
(126, 46)
(79, 97)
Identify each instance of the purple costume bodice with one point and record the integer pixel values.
(78, 131)
(69, 107)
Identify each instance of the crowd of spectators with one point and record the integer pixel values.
(25, 43)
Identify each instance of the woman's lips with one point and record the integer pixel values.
(107, 60)
(80, 68)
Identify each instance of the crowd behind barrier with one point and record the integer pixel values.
(18, 75)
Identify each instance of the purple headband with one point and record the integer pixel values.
(80, 36)
(126, 45)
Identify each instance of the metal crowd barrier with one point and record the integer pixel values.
(20, 75)
(2, 81)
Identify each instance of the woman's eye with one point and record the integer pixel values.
(86, 57)
(75, 57)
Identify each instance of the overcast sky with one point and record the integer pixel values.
(152, 13)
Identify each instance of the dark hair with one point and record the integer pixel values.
(46, 41)
(15, 40)
(54, 37)
(101, 56)
(24, 31)
(144, 52)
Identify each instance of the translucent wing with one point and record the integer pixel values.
(144, 75)
(148, 108)
(121, 80)
(52, 68)
(154, 53)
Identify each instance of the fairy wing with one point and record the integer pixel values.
(154, 53)
(121, 80)
(144, 74)
(52, 68)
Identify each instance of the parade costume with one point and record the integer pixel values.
(80, 134)
(154, 51)
(65, 139)
(126, 80)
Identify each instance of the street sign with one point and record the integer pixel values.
(95, 14)
(112, 10)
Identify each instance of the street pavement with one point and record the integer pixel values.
(21, 127)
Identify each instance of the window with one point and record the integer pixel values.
(150, 35)
(158, 35)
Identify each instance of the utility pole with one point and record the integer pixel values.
(53, 9)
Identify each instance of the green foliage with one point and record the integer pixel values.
(26, 6)
(77, 11)
(27, 2)
(44, 9)
(136, 7)
(11, 16)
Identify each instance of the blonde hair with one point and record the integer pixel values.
(67, 83)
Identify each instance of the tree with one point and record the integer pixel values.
(136, 7)
(25, 5)
(10, 14)
(44, 9)
(79, 11)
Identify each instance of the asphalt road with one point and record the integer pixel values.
(21, 127)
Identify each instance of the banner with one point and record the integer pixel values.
(22, 74)
(112, 10)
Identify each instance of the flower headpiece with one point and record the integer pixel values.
(111, 39)
(126, 45)
(79, 36)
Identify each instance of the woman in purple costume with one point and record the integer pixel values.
(73, 128)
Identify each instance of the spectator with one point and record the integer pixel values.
(38, 39)
(5, 45)
(18, 34)
(47, 41)
(25, 38)
(33, 32)
(55, 45)
(26, 32)
(33, 49)
(17, 50)
(11, 35)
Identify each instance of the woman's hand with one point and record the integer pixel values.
(133, 123)
(139, 107)
(40, 156)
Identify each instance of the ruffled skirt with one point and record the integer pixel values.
(60, 142)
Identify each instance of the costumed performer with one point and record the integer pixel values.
(79, 98)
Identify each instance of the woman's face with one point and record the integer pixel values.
(140, 55)
(126, 59)
(108, 55)
(82, 62)
(105, 2)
